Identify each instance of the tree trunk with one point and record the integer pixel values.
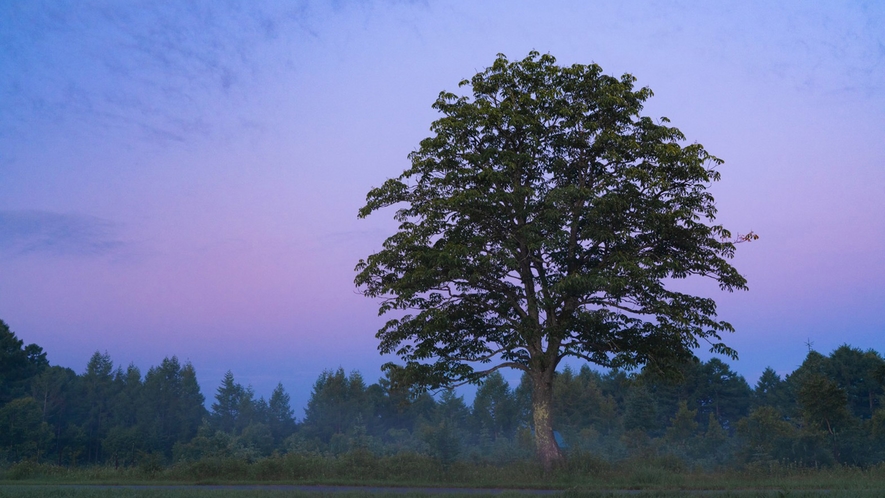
(542, 402)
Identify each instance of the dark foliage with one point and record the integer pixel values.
(826, 412)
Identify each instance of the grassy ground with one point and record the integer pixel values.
(640, 478)
(581, 477)
(63, 491)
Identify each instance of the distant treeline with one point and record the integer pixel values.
(828, 411)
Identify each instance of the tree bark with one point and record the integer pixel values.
(542, 403)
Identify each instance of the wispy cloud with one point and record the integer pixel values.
(158, 67)
(28, 232)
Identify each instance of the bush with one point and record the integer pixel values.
(408, 467)
(23, 470)
(211, 468)
(586, 464)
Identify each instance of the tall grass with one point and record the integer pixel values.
(581, 472)
(67, 491)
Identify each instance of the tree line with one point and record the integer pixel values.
(828, 411)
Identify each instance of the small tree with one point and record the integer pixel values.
(544, 219)
(281, 417)
(494, 407)
(18, 364)
(234, 405)
(337, 404)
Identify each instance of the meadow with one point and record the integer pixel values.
(62, 491)
(290, 475)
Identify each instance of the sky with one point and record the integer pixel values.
(184, 178)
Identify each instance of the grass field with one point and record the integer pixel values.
(80, 491)
(281, 476)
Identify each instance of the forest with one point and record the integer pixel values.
(828, 412)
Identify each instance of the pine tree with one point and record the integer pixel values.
(98, 386)
(232, 409)
(494, 407)
(281, 417)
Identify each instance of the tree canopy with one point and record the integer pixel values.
(545, 218)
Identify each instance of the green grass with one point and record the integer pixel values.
(63, 491)
(580, 475)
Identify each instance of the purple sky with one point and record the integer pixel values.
(184, 180)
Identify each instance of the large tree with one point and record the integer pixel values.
(547, 218)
